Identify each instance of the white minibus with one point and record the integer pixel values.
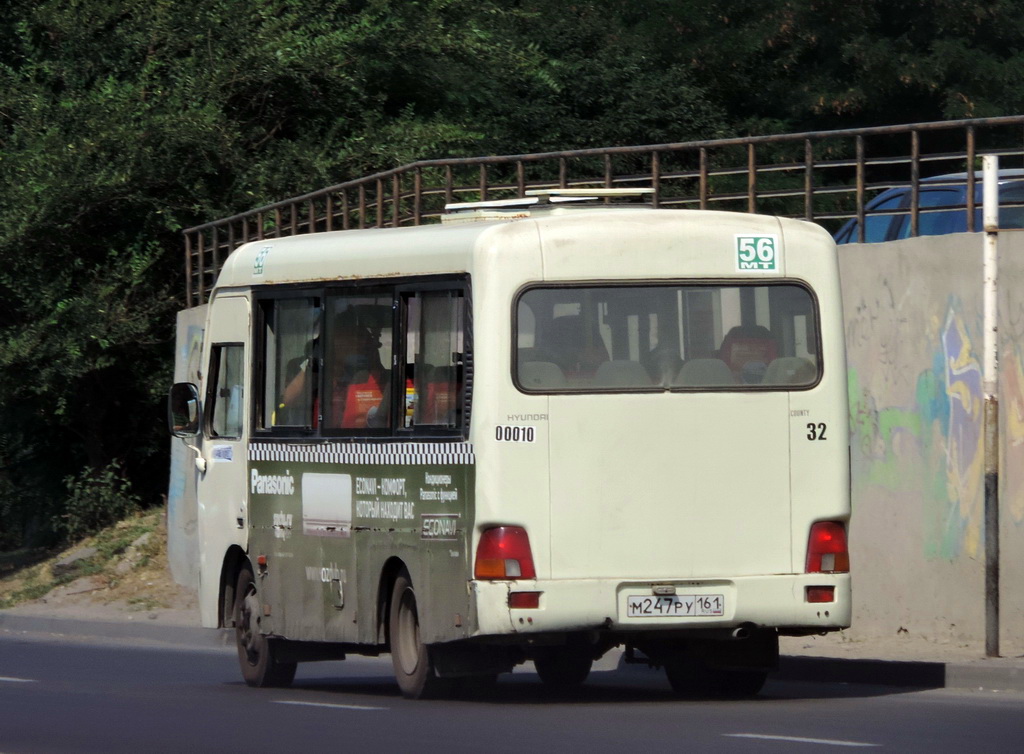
(535, 433)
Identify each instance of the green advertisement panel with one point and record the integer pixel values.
(334, 520)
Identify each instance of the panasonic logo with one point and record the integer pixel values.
(269, 484)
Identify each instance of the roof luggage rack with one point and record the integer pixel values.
(544, 200)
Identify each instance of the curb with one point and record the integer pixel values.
(930, 675)
(1009, 678)
(990, 675)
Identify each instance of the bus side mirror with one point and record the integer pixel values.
(183, 410)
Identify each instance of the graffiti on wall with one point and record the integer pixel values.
(965, 451)
(930, 444)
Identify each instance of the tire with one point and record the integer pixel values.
(687, 676)
(691, 677)
(410, 657)
(741, 684)
(256, 655)
(563, 668)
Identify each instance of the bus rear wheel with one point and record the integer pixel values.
(691, 677)
(563, 668)
(256, 653)
(741, 684)
(410, 657)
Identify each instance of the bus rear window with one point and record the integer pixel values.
(666, 337)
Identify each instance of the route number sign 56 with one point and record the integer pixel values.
(757, 253)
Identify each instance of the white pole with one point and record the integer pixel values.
(990, 214)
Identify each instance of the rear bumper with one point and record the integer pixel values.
(586, 604)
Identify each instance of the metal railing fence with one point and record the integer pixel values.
(823, 176)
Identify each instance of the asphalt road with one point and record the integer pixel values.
(59, 696)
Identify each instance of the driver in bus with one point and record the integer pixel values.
(300, 375)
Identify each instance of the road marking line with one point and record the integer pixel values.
(797, 739)
(333, 706)
(6, 679)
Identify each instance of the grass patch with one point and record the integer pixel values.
(29, 575)
(143, 604)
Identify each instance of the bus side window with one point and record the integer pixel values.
(357, 361)
(225, 403)
(434, 353)
(290, 363)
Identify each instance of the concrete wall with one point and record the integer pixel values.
(1011, 422)
(182, 508)
(914, 345)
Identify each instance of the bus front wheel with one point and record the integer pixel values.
(256, 654)
(410, 657)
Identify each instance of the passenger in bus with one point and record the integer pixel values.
(357, 381)
(748, 350)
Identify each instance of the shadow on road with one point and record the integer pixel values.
(629, 687)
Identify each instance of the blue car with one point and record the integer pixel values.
(935, 193)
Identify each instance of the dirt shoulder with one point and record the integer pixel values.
(120, 574)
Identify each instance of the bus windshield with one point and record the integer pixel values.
(652, 337)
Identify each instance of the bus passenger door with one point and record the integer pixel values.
(223, 509)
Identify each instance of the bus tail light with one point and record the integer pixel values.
(524, 600)
(826, 548)
(821, 594)
(504, 553)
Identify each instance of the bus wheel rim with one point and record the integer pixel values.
(408, 633)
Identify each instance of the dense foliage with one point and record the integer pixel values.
(122, 121)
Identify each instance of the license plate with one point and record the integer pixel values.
(678, 605)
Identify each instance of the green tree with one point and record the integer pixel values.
(123, 121)
(120, 122)
(820, 64)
